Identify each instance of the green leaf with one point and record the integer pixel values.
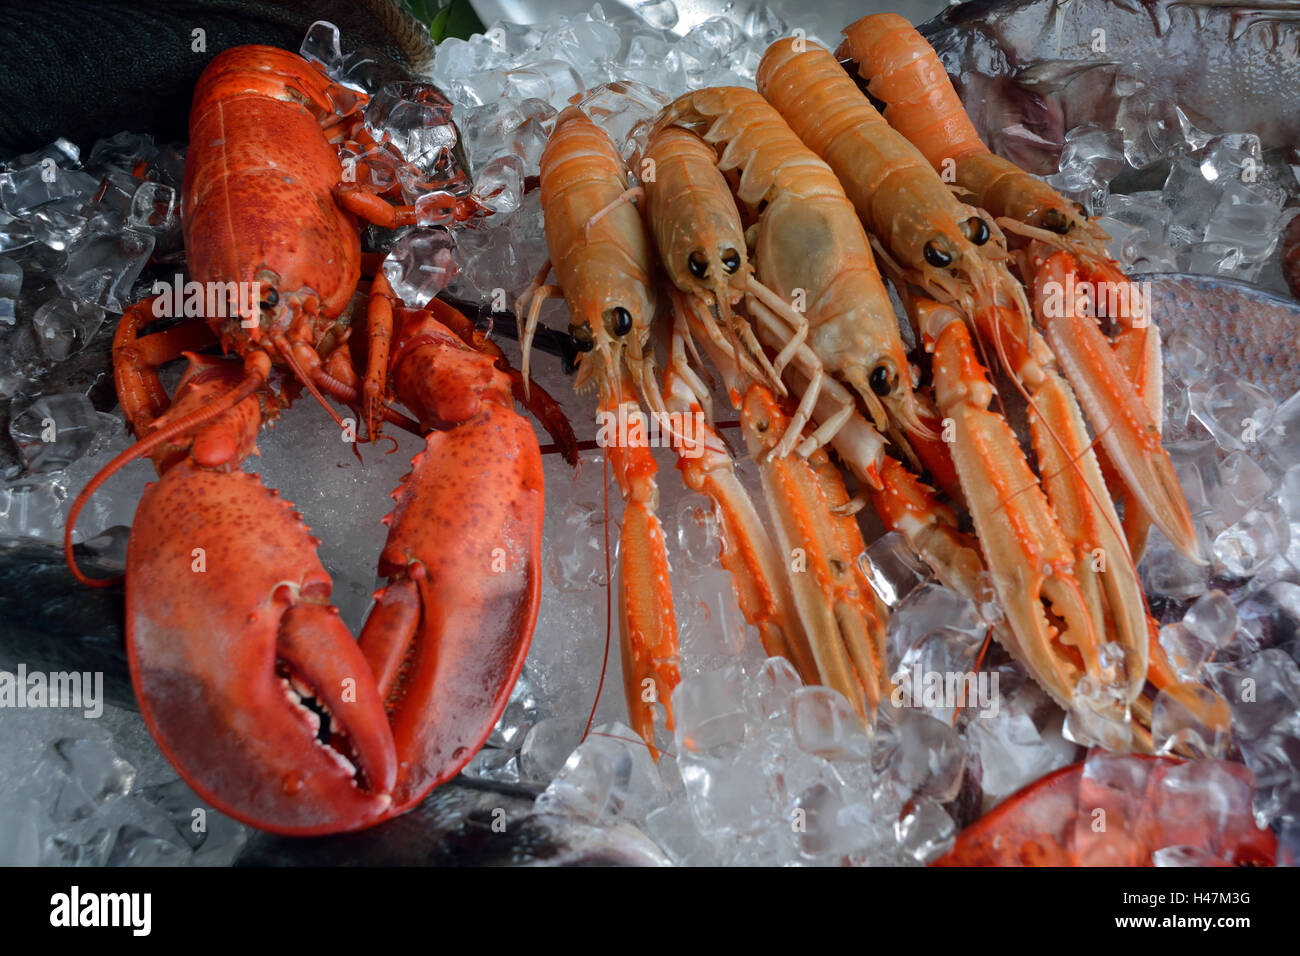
(457, 19)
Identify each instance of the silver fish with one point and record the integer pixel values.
(1249, 331)
(1029, 70)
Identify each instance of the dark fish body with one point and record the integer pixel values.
(1231, 66)
(1251, 332)
(464, 823)
(50, 623)
(86, 69)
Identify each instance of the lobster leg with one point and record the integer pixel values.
(748, 554)
(449, 633)
(647, 621)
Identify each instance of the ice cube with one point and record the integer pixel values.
(56, 430)
(1216, 795)
(729, 797)
(1245, 219)
(1216, 259)
(154, 208)
(1125, 239)
(96, 776)
(521, 712)
(11, 278)
(1212, 618)
(698, 536)
(8, 316)
(1262, 534)
(65, 326)
(33, 509)
(64, 152)
(1190, 718)
(893, 568)
(25, 189)
(216, 837)
(917, 754)
(123, 151)
(1012, 752)
(1260, 691)
(625, 110)
(420, 264)
(768, 692)
(15, 233)
(547, 746)
(493, 764)
(650, 60)
(1192, 199)
(497, 128)
(552, 81)
(1153, 256)
(1236, 156)
(660, 14)
(673, 828)
(826, 725)
(765, 25)
(1234, 411)
(102, 268)
(414, 117)
(1143, 210)
(583, 43)
(709, 713)
(500, 185)
(1281, 440)
(1186, 652)
(1096, 152)
(1079, 185)
(137, 847)
(925, 830)
(457, 58)
(707, 45)
(59, 224)
(1099, 715)
(937, 673)
(76, 851)
(816, 823)
(928, 608)
(321, 46)
(1243, 481)
(576, 558)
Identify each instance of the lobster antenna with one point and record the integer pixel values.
(609, 609)
(251, 383)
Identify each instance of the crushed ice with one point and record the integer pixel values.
(760, 769)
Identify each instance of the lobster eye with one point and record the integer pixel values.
(1056, 221)
(698, 265)
(272, 299)
(936, 256)
(581, 337)
(880, 381)
(977, 230)
(731, 261)
(622, 321)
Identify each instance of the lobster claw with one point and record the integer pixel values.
(227, 640)
(1027, 554)
(449, 634)
(1125, 426)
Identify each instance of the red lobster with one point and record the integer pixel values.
(1118, 810)
(224, 651)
